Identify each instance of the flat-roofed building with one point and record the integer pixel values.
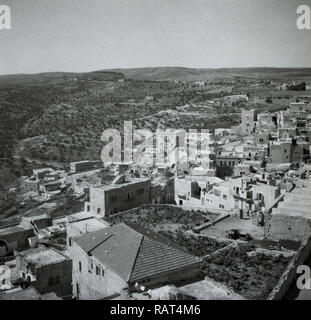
(291, 218)
(300, 107)
(84, 166)
(249, 119)
(247, 167)
(225, 162)
(14, 238)
(122, 194)
(281, 151)
(47, 270)
(29, 184)
(42, 173)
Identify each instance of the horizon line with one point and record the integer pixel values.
(151, 67)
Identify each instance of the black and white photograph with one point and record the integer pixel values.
(155, 153)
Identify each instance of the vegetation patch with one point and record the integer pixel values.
(163, 218)
(198, 246)
(252, 276)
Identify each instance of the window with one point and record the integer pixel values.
(141, 191)
(80, 266)
(224, 197)
(97, 271)
(103, 273)
(70, 242)
(221, 206)
(98, 210)
(128, 196)
(216, 193)
(113, 199)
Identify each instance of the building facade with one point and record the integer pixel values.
(122, 257)
(119, 196)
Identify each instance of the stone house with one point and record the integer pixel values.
(120, 195)
(47, 270)
(14, 238)
(124, 257)
(241, 194)
(249, 119)
(29, 184)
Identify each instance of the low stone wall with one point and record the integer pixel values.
(172, 206)
(209, 224)
(290, 274)
(204, 209)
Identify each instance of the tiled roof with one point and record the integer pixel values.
(135, 253)
(155, 257)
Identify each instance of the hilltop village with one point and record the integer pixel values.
(233, 227)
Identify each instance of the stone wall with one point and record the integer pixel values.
(290, 274)
(280, 226)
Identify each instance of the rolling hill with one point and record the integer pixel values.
(191, 74)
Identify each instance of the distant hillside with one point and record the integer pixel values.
(60, 116)
(190, 74)
(164, 74)
(58, 77)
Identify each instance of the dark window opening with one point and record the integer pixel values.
(97, 271)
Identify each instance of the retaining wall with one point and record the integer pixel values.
(290, 274)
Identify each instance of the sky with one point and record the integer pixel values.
(87, 35)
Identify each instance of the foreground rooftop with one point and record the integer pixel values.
(135, 253)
